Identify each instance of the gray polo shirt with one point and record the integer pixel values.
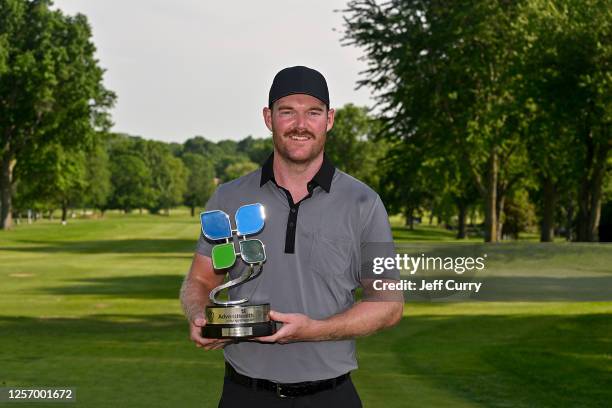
(312, 267)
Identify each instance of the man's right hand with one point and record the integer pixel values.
(208, 344)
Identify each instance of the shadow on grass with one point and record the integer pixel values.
(138, 287)
(120, 246)
(111, 360)
(497, 361)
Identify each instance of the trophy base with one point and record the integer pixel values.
(238, 322)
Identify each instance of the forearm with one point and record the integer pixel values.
(194, 296)
(362, 319)
(197, 285)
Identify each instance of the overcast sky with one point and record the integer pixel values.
(193, 67)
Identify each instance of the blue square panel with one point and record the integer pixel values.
(250, 219)
(216, 225)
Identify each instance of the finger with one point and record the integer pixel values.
(213, 343)
(267, 339)
(200, 343)
(282, 332)
(219, 345)
(216, 344)
(280, 317)
(208, 344)
(197, 340)
(196, 336)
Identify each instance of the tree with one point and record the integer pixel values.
(200, 182)
(441, 71)
(53, 177)
(239, 169)
(519, 215)
(224, 153)
(403, 186)
(567, 86)
(352, 145)
(200, 145)
(98, 176)
(130, 178)
(168, 180)
(51, 90)
(257, 150)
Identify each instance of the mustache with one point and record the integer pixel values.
(298, 132)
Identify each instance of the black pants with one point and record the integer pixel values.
(238, 396)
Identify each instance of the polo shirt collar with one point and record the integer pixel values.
(323, 178)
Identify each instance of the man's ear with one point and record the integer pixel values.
(330, 119)
(267, 114)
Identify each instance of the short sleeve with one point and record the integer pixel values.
(376, 226)
(378, 248)
(204, 246)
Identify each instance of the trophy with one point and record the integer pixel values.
(235, 318)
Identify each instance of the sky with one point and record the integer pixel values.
(193, 67)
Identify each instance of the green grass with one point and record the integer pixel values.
(434, 233)
(93, 305)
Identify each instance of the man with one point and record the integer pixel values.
(318, 219)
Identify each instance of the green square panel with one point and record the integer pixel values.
(223, 256)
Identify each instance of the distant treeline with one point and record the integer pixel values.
(130, 173)
(124, 172)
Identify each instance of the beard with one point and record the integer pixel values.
(282, 143)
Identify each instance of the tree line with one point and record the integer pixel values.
(499, 105)
(492, 117)
(127, 173)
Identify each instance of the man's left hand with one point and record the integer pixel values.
(296, 327)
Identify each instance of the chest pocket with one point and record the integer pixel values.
(331, 256)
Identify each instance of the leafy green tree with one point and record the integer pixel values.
(226, 156)
(51, 90)
(227, 146)
(519, 215)
(98, 176)
(455, 186)
(441, 72)
(403, 184)
(239, 169)
(221, 154)
(257, 150)
(130, 175)
(567, 85)
(200, 182)
(352, 145)
(168, 180)
(171, 182)
(202, 146)
(54, 177)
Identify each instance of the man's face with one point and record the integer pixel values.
(299, 124)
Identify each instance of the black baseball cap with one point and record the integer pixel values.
(298, 80)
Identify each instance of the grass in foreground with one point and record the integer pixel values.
(93, 305)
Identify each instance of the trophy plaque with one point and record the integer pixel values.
(236, 319)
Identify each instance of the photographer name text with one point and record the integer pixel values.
(435, 285)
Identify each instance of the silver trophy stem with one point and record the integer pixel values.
(251, 273)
